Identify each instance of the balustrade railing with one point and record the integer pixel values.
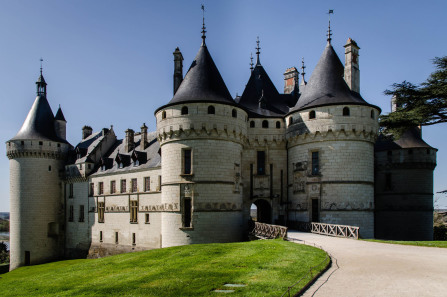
(269, 231)
(335, 230)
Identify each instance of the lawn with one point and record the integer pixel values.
(439, 244)
(266, 267)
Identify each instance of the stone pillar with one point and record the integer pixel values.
(352, 70)
(290, 80)
(178, 69)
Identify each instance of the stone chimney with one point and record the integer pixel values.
(143, 142)
(178, 69)
(86, 131)
(290, 80)
(129, 143)
(352, 70)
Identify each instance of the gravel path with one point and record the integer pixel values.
(362, 268)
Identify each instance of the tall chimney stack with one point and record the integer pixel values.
(352, 70)
(86, 131)
(178, 69)
(143, 141)
(129, 143)
(290, 80)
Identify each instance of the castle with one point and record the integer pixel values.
(308, 155)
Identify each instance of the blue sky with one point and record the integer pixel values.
(110, 62)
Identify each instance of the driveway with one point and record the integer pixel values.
(362, 268)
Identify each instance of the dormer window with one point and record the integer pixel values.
(120, 165)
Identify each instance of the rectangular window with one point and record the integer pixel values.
(187, 161)
(123, 186)
(134, 186)
(116, 237)
(315, 163)
(147, 184)
(70, 186)
(100, 236)
(101, 212)
(187, 213)
(134, 239)
(261, 162)
(133, 211)
(81, 213)
(91, 189)
(147, 219)
(159, 183)
(112, 187)
(70, 214)
(100, 188)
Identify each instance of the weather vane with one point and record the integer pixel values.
(41, 60)
(329, 34)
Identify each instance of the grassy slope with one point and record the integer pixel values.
(266, 267)
(439, 244)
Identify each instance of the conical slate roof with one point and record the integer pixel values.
(202, 82)
(411, 138)
(59, 115)
(39, 124)
(260, 88)
(326, 85)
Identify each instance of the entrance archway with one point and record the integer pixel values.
(263, 211)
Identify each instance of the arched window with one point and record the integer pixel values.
(184, 110)
(290, 121)
(346, 111)
(163, 115)
(211, 110)
(372, 114)
(312, 114)
(252, 124)
(278, 124)
(265, 124)
(234, 113)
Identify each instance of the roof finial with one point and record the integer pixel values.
(303, 81)
(251, 61)
(329, 33)
(258, 62)
(203, 25)
(41, 60)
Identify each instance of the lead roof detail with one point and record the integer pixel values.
(326, 85)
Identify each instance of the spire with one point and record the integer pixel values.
(258, 61)
(59, 115)
(203, 25)
(41, 84)
(251, 61)
(303, 81)
(329, 32)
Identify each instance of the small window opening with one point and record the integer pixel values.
(278, 124)
(346, 111)
(428, 152)
(261, 163)
(49, 168)
(372, 114)
(234, 113)
(388, 185)
(410, 151)
(22, 142)
(312, 114)
(184, 110)
(147, 219)
(134, 239)
(40, 142)
(315, 163)
(116, 237)
(252, 124)
(211, 110)
(290, 121)
(187, 161)
(163, 115)
(265, 124)
(100, 236)
(58, 145)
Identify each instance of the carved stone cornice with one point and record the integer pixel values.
(38, 154)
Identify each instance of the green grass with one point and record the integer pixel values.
(439, 244)
(267, 267)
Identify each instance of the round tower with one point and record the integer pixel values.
(36, 155)
(331, 133)
(201, 132)
(404, 187)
